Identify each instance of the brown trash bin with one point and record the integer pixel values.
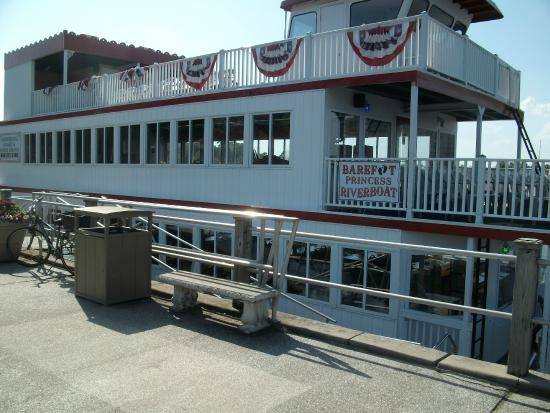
(113, 263)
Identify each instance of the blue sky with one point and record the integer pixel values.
(197, 27)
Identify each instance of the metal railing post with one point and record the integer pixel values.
(480, 189)
(423, 34)
(528, 251)
(221, 70)
(308, 40)
(242, 247)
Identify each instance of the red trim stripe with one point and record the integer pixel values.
(335, 218)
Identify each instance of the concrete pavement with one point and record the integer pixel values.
(60, 353)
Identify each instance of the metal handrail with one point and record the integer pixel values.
(451, 339)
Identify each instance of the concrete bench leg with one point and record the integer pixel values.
(183, 299)
(254, 317)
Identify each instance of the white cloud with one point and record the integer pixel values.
(533, 108)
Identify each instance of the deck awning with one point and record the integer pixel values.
(482, 10)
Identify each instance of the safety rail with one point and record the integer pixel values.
(431, 46)
(523, 261)
(484, 188)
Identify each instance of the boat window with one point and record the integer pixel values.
(84, 146)
(344, 135)
(220, 243)
(418, 7)
(377, 139)
(271, 139)
(440, 278)
(105, 145)
(228, 140)
(303, 24)
(460, 27)
(185, 234)
(129, 144)
(158, 143)
(30, 148)
(372, 11)
(42, 150)
(309, 261)
(63, 142)
(373, 273)
(441, 16)
(190, 144)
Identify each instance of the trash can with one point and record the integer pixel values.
(113, 258)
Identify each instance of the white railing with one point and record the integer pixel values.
(445, 185)
(326, 55)
(518, 189)
(485, 188)
(333, 186)
(456, 56)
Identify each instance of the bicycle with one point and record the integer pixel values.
(33, 245)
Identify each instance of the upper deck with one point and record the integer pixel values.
(431, 47)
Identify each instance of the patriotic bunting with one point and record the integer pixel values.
(197, 71)
(380, 45)
(276, 59)
(84, 84)
(131, 74)
(48, 90)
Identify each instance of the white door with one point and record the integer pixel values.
(333, 17)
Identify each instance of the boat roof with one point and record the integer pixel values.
(482, 10)
(84, 43)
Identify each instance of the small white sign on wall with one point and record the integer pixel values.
(369, 181)
(10, 148)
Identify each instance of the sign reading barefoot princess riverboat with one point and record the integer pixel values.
(369, 181)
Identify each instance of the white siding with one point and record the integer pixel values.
(18, 87)
(298, 186)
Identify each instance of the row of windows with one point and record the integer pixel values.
(374, 11)
(270, 142)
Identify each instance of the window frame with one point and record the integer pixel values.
(214, 267)
(444, 13)
(83, 158)
(30, 148)
(299, 15)
(129, 145)
(103, 147)
(308, 275)
(350, 14)
(270, 140)
(63, 141)
(227, 140)
(364, 301)
(157, 159)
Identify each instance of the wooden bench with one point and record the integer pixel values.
(255, 299)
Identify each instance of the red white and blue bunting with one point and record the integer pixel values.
(276, 59)
(197, 71)
(48, 90)
(134, 73)
(380, 45)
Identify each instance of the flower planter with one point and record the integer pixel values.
(5, 230)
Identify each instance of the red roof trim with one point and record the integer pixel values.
(400, 224)
(83, 43)
(424, 80)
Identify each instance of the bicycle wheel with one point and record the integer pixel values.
(28, 246)
(66, 253)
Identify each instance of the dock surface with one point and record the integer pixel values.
(62, 353)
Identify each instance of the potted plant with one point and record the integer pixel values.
(12, 217)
